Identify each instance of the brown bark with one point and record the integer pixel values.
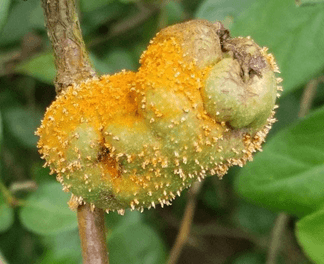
(92, 235)
(63, 27)
(73, 66)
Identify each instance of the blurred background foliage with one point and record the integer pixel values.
(235, 217)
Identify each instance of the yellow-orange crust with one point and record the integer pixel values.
(134, 139)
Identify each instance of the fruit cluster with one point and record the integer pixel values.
(199, 103)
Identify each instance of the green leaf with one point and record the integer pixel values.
(88, 6)
(250, 258)
(40, 67)
(310, 234)
(128, 1)
(293, 35)
(287, 113)
(36, 18)
(91, 20)
(49, 258)
(114, 220)
(22, 124)
(1, 131)
(119, 59)
(175, 12)
(100, 66)
(46, 211)
(6, 215)
(309, 2)
(222, 10)
(288, 174)
(211, 197)
(39, 173)
(62, 248)
(4, 10)
(256, 219)
(18, 23)
(135, 243)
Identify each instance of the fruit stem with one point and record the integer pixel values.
(92, 235)
(73, 66)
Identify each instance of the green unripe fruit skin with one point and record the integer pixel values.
(243, 104)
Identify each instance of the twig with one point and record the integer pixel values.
(30, 46)
(9, 197)
(308, 97)
(28, 185)
(220, 230)
(185, 224)
(145, 12)
(217, 229)
(292, 251)
(92, 235)
(73, 66)
(71, 58)
(276, 237)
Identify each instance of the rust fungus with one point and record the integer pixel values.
(200, 102)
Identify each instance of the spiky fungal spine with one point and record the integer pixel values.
(199, 103)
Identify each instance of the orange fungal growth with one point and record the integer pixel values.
(199, 103)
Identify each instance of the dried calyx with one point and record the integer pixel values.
(199, 103)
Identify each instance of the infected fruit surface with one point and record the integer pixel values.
(199, 103)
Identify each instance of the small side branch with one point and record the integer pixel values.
(276, 238)
(186, 223)
(308, 96)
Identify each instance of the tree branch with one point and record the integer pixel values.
(73, 66)
(63, 27)
(308, 97)
(276, 238)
